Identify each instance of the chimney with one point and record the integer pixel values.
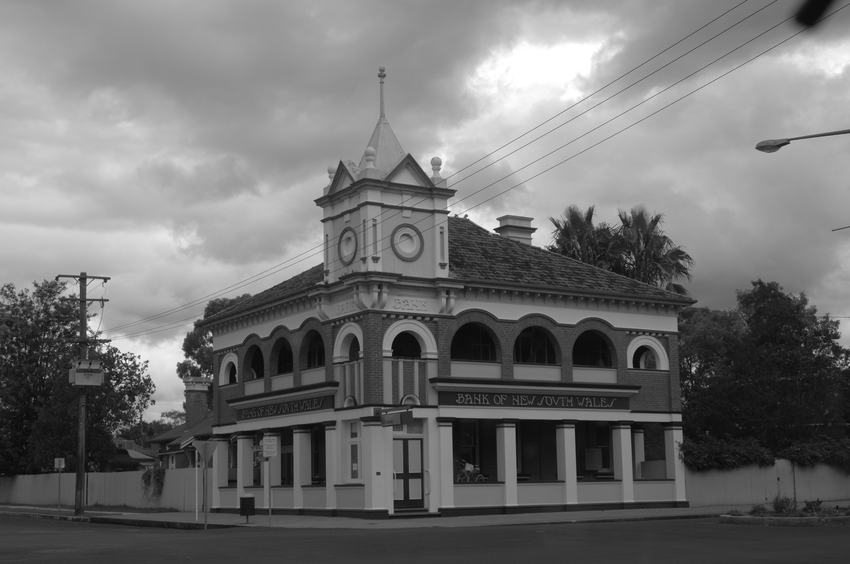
(516, 227)
(196, 392)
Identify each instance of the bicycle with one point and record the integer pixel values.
(468, 473)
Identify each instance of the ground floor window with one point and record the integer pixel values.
(286, 459)
(353, 451)
(537, 459)
(593, 450)
(474, 442)
(317, 442)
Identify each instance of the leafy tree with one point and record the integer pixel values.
(771, 370)
(197, 345)
(38, 405)
(636, 248)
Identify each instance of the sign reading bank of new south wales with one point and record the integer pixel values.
(551, 401)
(285, 408)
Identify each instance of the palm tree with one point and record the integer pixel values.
(575, 236)
(645, 253)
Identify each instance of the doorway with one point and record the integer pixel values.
(408, 476)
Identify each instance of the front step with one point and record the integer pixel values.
(412, 514)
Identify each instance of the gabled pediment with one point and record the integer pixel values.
(346, 174)
(408, 171)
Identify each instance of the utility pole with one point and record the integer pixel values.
(84, 353)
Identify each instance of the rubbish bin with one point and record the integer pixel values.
(246, 506)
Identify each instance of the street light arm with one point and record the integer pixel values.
(773, 145)
(841, 132)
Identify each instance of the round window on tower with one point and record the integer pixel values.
(407, 242)
(347, 246)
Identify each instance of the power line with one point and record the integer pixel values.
(291, 261)
(269, 271)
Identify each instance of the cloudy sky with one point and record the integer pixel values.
(177, 146)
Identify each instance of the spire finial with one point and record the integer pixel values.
(382, 75)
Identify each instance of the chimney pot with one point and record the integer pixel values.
(516, 227)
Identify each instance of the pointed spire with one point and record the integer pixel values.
(387, 149)
(382, 75)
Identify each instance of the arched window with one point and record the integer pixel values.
(284, 357)
(644, 358)
(534, 346)
(474, 342)
(231, 374)
(591, 349)
(256, 365)
(405, 345)
(315, 351)
(354, 350)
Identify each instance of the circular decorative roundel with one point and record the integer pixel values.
(407, 242)
(347, 246)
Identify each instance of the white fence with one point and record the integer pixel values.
(744, 486)
(754, 484)
(112, 489)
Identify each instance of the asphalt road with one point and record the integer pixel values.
(675, 541)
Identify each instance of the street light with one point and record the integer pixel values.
(773, 145)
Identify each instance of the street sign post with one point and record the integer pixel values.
(59, 464)
(205, 450)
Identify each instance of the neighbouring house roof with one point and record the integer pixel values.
(478, 256)
(176, 437)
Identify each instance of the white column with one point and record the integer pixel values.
(675, 467)
(301, 464)
(506, 457)
(623, 464)
(446, 474)
(375, 478)
(565, 437)
(219, 470)
(244, 464)
(640, 451)
(333, 463)
(431, 463)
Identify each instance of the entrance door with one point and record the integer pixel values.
(408, 477)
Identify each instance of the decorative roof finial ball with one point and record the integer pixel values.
(331, 171)
(436, 163)
(370, 157)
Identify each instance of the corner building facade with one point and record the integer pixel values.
(510, 379)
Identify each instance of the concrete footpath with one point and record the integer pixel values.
(189, 520)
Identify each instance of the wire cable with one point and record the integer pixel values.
(291, 261)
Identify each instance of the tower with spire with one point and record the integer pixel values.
(385, 214)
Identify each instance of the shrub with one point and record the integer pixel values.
(824, 450)
(152, 482)
(759, 509)
(813, 506)
(783, 504)
(709, 453)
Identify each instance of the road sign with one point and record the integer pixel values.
(269, 446)
(205, 450)
(393, 418)
(58, 463)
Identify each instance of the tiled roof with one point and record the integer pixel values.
(479, 256)
(295, 285)
(476, 255)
